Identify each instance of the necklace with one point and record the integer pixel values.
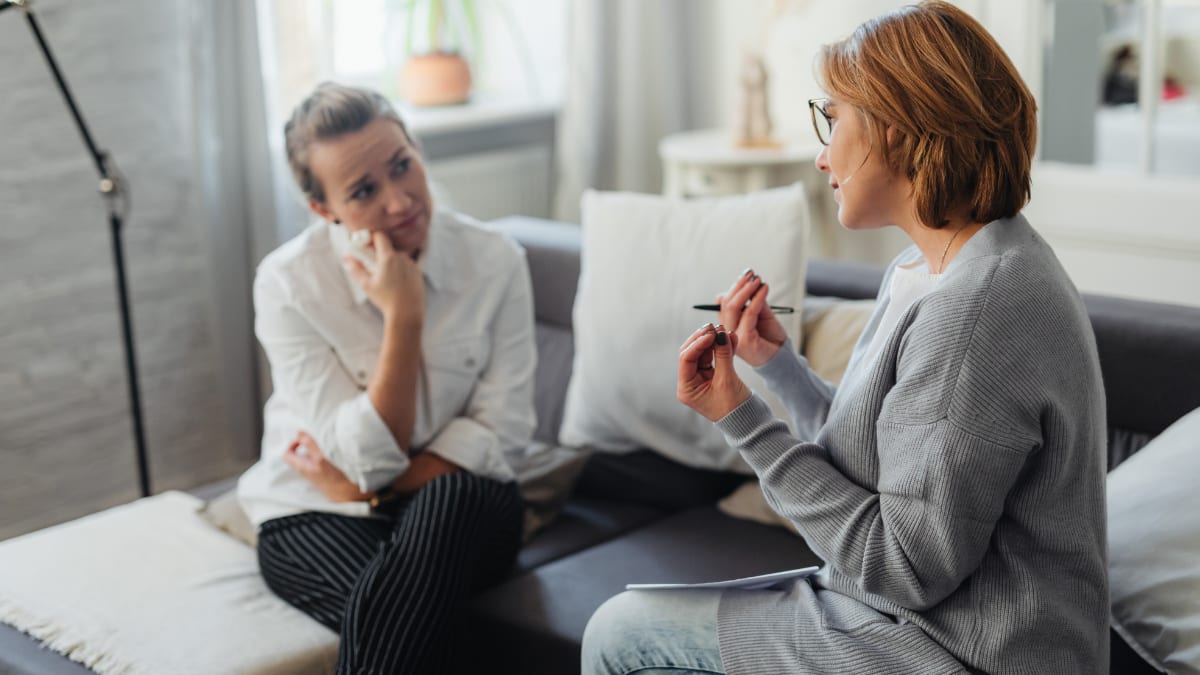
(942, 262)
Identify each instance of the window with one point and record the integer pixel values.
(1122, 84)
(517, 58)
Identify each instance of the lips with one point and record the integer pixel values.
(407, 222)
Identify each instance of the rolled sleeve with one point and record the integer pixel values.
(364, 448)
(473, 447)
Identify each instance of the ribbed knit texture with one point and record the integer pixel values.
(955, 485)
(391, 588)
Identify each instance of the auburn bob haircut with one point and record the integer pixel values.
(963, 123)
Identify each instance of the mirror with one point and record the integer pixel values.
(1097, 105)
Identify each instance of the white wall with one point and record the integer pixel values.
(65, 439)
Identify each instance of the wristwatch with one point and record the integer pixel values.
(382, 496)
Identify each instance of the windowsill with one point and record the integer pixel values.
(478, 114)
(480, 126)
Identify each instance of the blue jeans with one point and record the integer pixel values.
(654, 632)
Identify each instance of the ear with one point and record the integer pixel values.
(320, 209)
(893, 135)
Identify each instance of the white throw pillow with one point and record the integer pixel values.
(1154, 548)
(645, 261)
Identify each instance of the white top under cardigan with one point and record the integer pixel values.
(322, 337)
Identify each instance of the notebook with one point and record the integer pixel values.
(756, 583)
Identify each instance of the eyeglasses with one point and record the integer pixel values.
(822, 121)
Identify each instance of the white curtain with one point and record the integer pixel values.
(629, 83)
(238, 183)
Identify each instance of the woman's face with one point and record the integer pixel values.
(868, 195)
(374, 180)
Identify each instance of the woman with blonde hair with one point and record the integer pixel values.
(953, 482)
(400, 338)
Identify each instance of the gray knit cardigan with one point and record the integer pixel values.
(954, 485)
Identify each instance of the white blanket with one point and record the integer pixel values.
(149, 587)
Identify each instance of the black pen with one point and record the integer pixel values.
(774, 308)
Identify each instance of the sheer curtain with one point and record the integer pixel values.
(240, 193)
(634, 75)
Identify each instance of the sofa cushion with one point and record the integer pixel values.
(167, 590)
(1150, 355)
(552, 250)
(582, 523)
(645, 261)
(1154, 548)
(535, 622)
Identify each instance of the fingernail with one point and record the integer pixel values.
(746, 272)
(722, 338)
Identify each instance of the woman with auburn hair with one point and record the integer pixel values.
(953, 483)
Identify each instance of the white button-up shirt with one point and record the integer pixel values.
(322, 337)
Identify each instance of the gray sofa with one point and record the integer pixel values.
(533, 622)
(655, 526)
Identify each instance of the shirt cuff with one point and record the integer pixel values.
(473, 447)
(365, 449)
(741, 422)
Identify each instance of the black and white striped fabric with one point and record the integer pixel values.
(390, 588)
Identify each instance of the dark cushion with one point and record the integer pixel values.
(555, 354)
(647, 478)
(842, 279)
(582, 523)
(534, 623)
(552, 249)
(1150, 355)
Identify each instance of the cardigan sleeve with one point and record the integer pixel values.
(951, 416)
(804, 394)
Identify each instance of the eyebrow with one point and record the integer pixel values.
(396, 156)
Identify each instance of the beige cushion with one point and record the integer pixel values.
(831, 327)
(546, 477)
(226, 514)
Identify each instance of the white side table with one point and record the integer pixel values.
(707, 164)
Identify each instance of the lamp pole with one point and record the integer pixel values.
(116, 196)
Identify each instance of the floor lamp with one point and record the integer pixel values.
(116, 196)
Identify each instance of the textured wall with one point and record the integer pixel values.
(65, 437)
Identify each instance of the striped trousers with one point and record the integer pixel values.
(391, 587)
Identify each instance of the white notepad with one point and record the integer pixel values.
(758, 583)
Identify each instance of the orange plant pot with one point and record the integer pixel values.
(435, 79)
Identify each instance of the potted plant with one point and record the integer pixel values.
(437, 72)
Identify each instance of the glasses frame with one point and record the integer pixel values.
(817, 106)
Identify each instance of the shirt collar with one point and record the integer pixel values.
(432, 261)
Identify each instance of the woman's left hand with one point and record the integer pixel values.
(312, 465)
(708, 383)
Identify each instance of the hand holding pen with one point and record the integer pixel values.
(744, 309)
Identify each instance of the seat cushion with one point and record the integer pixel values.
(580, 524)
(535, 621)
(150, 587)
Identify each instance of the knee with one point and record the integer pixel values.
(464, 493)
(612, 635)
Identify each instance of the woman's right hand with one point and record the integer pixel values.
(395, 285)
(744, 308)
